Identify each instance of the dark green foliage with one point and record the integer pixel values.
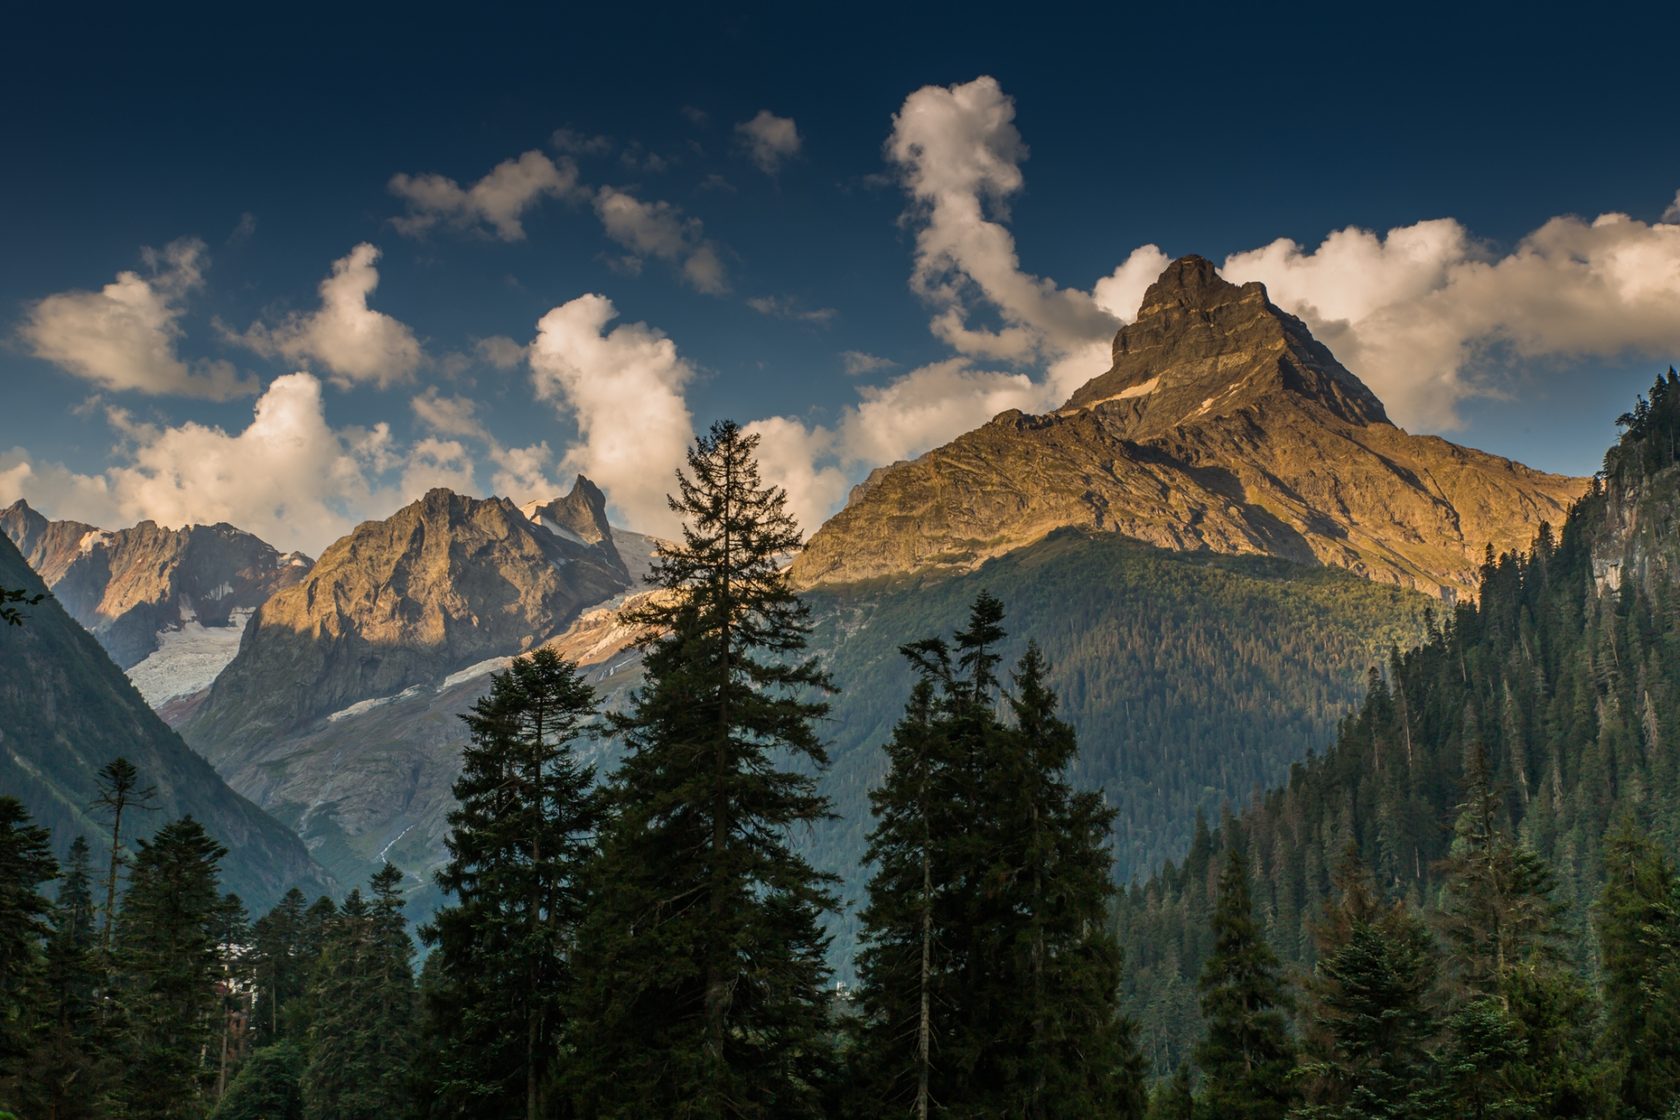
(1638, 923)
(1372, 1011)
(502, 949)
(361, 1035)
(1189, 679)
(1246, 1056)
(267, 1086)
(1173, 1098)
(1563, 680)
(12, 602)
(700, 963)
(280, 967)
(67, 1060)
(168, 963)
(25, 864)
(988, 981)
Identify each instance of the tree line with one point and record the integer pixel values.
(645, 943)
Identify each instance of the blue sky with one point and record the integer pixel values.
(888, 187)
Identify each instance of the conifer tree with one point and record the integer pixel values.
(517, 843)
(1639, 934)
(989, 976)
(278, 967)
(67, 1061)
(1173, 1098)
(119, 792)
(1246, 1056)
(1371, 1015)
(361, 1037)
(26, 863)
(700, 964)
(168, 964)
(267, 1086)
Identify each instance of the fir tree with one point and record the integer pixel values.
(1173, 1098)
(168, 964)
(279, 967)
(1371, 1016)
(700, 965)
(267, 1086)
(67, 1061)
(119, 792)
(362, 997)
(517, 842)
(232, 928)
(1246, 1056)
(26, 862)
(989, 975)
(1639, 933)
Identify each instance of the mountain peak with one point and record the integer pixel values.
(1202, 346)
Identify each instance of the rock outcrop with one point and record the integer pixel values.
(131, 586)
(1222, 425)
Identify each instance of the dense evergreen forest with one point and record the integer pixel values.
(1513, 786)
(1467, 907)
(1190, 679)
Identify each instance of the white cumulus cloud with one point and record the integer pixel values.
(770, 140)
(289, 476)
(499, 200)
(352, 341)
(624, 387)
(126, 335)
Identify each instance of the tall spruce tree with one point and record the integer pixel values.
(168, 965)
(989, 976)
(1246, 1056)
(1639, 934)
(120, 792)
(361, 1038)
(517, 843)
(279, 967)
(26, 863)
(700, 965)
(1371, 1009)
(67, 1061)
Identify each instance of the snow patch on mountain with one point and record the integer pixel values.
(188, 659)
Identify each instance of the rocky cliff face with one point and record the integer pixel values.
(66, 710)
(443, 583)
(131, 587)
(1223, 426)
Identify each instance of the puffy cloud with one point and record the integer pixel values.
(856, 362)
(125, 335)
(522, 473)
(289, 476)
(1672, 214)
(788, 453)
(661, 230)
(448, 415)
(624, 387)
(786, 307)
(1418, 311)
(770, 140)
(499, 200)
(580, 143)
(958, 154)
(346, 336)
(927, 407)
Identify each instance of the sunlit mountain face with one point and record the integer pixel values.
(695, 563)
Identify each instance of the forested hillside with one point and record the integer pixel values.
(1190, 679)
(1564, 680)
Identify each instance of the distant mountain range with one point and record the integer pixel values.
(1203, 511)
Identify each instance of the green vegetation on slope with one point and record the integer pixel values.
(1190, 679)
(1565, 679)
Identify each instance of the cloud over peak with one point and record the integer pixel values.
(352, 341)
(126, 335)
